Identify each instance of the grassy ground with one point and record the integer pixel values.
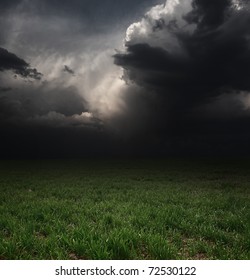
(125, 210)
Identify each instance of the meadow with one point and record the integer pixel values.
(125, 209)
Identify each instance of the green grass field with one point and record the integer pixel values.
(144, 209)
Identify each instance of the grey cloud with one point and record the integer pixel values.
(95, 15)
(5, 5)
(54, 119)
(39, 27)
(179, 99)
(211, 62)
(68, 70)
(5, 89)
(207, 14)
(24, 104)
(94, 11)
(9, 61)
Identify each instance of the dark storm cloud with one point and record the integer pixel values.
(215, 56)
(5, 89)
(68, 70)
(39, 27)
(182, 99)
(7, 4)
(206, 14)
(9, 61)
(94, 11)
(64, 27)
(51, 118)
(212, 63)
(94, 14)
(25, 104)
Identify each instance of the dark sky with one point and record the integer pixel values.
(85, 78)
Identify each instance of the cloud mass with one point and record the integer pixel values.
(9, 61)
(211, 53)
(192, 57)
(141, 77)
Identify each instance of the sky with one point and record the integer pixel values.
(85, 78)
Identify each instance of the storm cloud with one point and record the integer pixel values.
(214, 56)
(9, 61)
(146, 77)
(192, 58)
(68, 70)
